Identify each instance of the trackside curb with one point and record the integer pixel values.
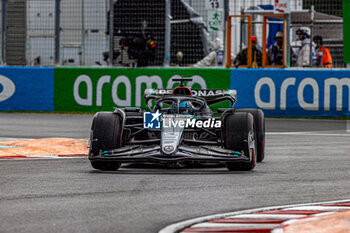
(336, 222)
(177, 227)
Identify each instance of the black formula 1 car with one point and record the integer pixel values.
(179, 128)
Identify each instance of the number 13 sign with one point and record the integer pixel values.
(214, 4)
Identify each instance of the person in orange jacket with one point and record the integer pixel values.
(323, 56)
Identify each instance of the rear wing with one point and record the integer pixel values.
(217, 96)
(210, 96)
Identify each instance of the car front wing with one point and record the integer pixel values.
(139, 153)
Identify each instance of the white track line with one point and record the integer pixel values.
(176, 227)
(235, 225)
(14, 139)
(271, 216)
(310, 134)
(320, 208)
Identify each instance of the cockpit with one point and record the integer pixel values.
(179, 105)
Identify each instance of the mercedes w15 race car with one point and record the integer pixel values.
(179, 128)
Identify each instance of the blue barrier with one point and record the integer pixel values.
(293, 93)
(26, 89)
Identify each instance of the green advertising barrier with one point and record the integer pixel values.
(101, 89)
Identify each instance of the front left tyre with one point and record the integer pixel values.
(105, 135)
(259, 121)
(239, 135)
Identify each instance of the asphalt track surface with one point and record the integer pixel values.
(307, 161)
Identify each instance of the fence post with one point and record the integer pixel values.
(311, 32)
(3, 28)
(226, 13)
(57, 31)
(111, 32)
(167, 33)
(82, 48)
(287, 40)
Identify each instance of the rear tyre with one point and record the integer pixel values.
(259, 121)
(105, 135)
(239, 136)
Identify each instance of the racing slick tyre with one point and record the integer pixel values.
(105, 135)
(239, 136)
(259, 121)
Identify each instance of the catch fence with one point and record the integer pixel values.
(138, 33)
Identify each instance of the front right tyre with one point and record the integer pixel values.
(105, 135)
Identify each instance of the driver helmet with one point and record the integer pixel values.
(184, 108)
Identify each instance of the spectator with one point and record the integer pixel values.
(303, 55)
(275, 52)
(241, 58)
(323, 56)
(215, 57)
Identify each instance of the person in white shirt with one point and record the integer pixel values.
(303, 55)
(215, 57)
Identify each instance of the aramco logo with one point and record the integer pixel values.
(7, 88)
